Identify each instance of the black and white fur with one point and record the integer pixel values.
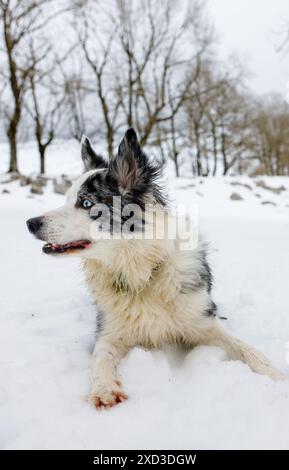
(149, 292)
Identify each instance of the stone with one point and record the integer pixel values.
(61, 186)
(236, 197)
(243, 185)
(25, 180)
(263, 185)
(35, 189)
(41, 180)
(268, 203)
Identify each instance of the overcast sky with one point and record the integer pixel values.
(252, 28)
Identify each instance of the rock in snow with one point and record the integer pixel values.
(236, 197)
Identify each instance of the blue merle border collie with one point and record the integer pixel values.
(149, 291)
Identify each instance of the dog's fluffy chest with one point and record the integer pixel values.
(155, 314)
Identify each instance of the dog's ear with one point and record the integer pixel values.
(129, 160)
(90, 159)
(129, 144)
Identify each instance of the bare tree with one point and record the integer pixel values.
(233, 118)
(217, 121)
(98, 60)
(151, 70)
(173, 150)
(44, 99)
(145, 64)
(131, 67)
(20, 20)
(75, 95)
(270, 140)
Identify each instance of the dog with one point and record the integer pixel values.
(149, 292)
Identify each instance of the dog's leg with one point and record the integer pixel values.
(106, 389)
(239, 350)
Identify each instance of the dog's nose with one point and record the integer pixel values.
(34, 224)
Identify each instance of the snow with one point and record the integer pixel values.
(177, 400)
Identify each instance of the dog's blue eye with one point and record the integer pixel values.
(87, 204)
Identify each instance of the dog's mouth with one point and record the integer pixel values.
(57, 249)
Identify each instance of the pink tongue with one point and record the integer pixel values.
(56, 246)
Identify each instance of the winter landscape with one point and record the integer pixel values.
(176, 400)
(205, 86)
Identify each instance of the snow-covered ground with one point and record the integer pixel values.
(197, 400)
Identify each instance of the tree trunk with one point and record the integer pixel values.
(174, 145)
(176, 162)
(215, 150)
(109, 135)
(198, 150)
(224, 154)
(12, 137)
(42, 148)
(199, 164)
(42, 160)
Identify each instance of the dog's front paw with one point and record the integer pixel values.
(105, 396)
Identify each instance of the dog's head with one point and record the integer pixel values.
(105, 192)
